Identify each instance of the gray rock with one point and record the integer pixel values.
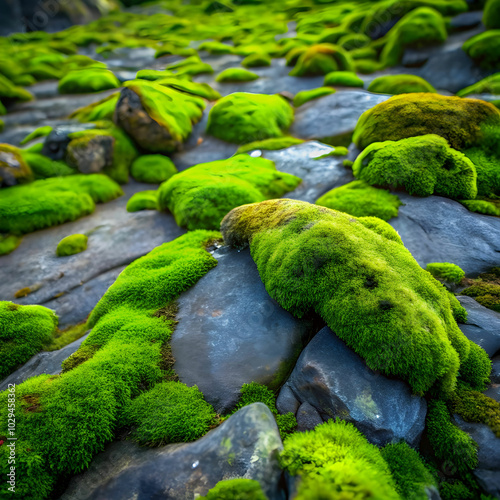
(437, 229)
(227, 319)
(286, 401)
(493, 392)
(246, 445)
(11, 17)
(56, 143)
(466, 20)
(13, 169)
(489, 480)
(307, 417)
(44, 362)
(337, 382)
(483, 325)
(495, 370)
(93, 155)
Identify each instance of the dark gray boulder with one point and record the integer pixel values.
(11, 17)
(307, 417)
(56, 143)
(336, 381)
(495, 370)
(231, 332)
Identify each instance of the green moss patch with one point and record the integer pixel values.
(13, 167)
(486, 289)
(256, 60)
(188, 87)
(270, 144)
(308, 95)
(8, 243)
(357, 275)
(446, 271)
(43, 167)
(152, 169)
(343, 79)
(242, 489)
(488, 85)
(86, 80)
(200, 196)
(144, 200)
(236, 75)
(484, 48)
(485, 207)
(39, 132)
(101, 110)
(71, 245)
(321, 59)
(12, 93)
(491, 14)
(400, 84)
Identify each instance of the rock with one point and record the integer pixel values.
(437, 229)
(245, 445)
(93, 156)
(286, 401)
(495, 370)
(13, 169)
(466, 20)
(336, 381)
(483, 325)
(227, 319)
(11, 18)
(56, 143)
(307, 417)
(493, 392)
(43, 362)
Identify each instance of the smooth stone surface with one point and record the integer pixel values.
(336, 381)
(436, 229)
(286, 401)
(44, 362)
(483, 325)
(245, 445)
(493, 392)
(495, 370)
(227, 319)
(307, 417)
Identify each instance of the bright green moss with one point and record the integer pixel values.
(230, 489)
(481, 207)
(353, 41)
(422, 165)
(39, 132)
(457, 490)
(153, 169)
(81, 81)
(408, 470)
(243, 118)
(270, 144)
(491, 14)
(366, 66)
(49, 202)
(308, 95)
(8, 243)
(486, 289)
(152, 74)
(200, 196)
(79, 61)
(361, 200)
(458, 120)
(335, 151)
(43, 167)
(190, 70)
(343, 79)
(484, 49)
(144, 200)
(12, 93)
(400, 84)
(71, 245)
(66, 336)
(23, 332)
(488, 85)
(13, 167)
(256, 60)
(446, 271)
(236, 75)
(101, 110)
(218, 48)
(336, 461)
(376, 292)
(192, 88)
(322, 59)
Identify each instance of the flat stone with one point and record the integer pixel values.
(495, 370)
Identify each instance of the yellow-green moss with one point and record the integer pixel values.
(488, 85)
(236, 75)
(484, 48)
(343, 79)
(321, 59)
(81, 81)
(446, 271)
(153, 169)
(270, 144)
(400, 84)
(308, 95)
(71, 245)
(144, 200)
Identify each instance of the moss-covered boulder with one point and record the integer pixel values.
(485, 289)
(153, 169)
(236, 75)
(82, 81)
(191, 88)
(484, 49)
(343, 79)
(457, 120)
(446, 271)
(201, 196)
(100, 110)
(488, 85)
(256, 60)
(357, 275)
(71, 245)
(13, 167)
(242, 117)
(144, 200)
(321, 59)
(9, 92)
(308, 95)
(491, 14)
(400, 84)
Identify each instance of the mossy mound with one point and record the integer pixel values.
(400, 84)
(256, 60)
(242, 117)
(82, 81)
(353, 41)
(484, 49)
(192, 88)
(491, 14)
(100, 110)
(422, 165)
(361, 200)
(457, 120)
(322, 59)
(486, 289)
(202, 195)
(336, 457)
(446, 271)
(13, 167)
(24, 330)
(36, 134)
(488, 85)
(152, 74)
(357, 275)
(12, 93)
(8, 243)
(218, 48)
(481, 207)
(49, 202)
(343, 79)
(230, 489)
(144, 200)
(308, 95)
(270, 144)
(71, 245)
(236, 75)
(153, 169)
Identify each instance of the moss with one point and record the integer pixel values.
(488, 85)
(81, 81)
(13, 167)
(322, 59)
(270, 144)
(8, 243)
(343, 79)
(153, 169)
(23, 332)
(481, 207)
(218, 48)
(354, 41)
(192, 88)
(446, 271)
(256, 60)
(71, 245)
(39, 132)
(361, 200)
(144, 200)
(377, 293)
(200, 196)
(458, 120)
(408, 470)
(491, 14)
(366, 66)
(66, 336)
(152, 74)
(49, 202)
(80, 61)
(11, 93)
(456, 490)
(336, 151)
(43, 167)
(400, 84)
(308, 95)
(422, 165)
(100, 110)
(229, 489)
(236, 75)
(190, 70)
(242, 118)
(486, 289)
(484, 49)
(336, 458)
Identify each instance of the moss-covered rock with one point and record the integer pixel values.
(191, 88)
(24, 330)
(100, 110)
(37, 133)
(230, 489)
(43, 167)
(81, 81)
(236, 75)
(13, 167)
(152, 74)
(216, 48)
(484, 49)
(12, 93)
(491, 14)
(400, 84)
(308, 95)
(486, 289)
(144, 200)
(202, 195)
(256, 60)
(343, 79)
(353, 41)
(243, 118)
(153, 169)
(322, 59)
(270, 144)
(71, 245)
(446, 271)
(8, 243)
(457, 120)
(361, 200)
(357, 275)
(488, 85)
(485, 207)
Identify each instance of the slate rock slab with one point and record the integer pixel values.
(231, 332)
(246, 445)
(336, 381)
